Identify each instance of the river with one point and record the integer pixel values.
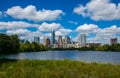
(85, 56)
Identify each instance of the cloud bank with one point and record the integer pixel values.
(31, 13)
(99, 10)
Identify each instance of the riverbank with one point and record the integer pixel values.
(56, 69)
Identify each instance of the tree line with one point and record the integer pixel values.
(11, 44)
(106, 47)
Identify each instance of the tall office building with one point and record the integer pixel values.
(53, 37)
(66, 41)
(60, 43)
(47, 42)
(82, 40)
(37, 39)
(113, 41)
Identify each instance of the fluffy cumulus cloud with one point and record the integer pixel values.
(63, 32)
(16, 25)
(24, 33)
(59, 29)
(99, 10)
(87, 28)
(31, 13)
(105, 34)
(22, 29)
(97, 34)
(21, 32)
(47, 27)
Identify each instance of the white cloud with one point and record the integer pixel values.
(111, 30)
(30, 12)
(46, 27)
(101, 35)
(87, 28)
(16, 25)
(63, 32)
(108, 33)
(24, 33)
(99, 10)
(104, 35)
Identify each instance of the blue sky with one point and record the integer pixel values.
(98, 19)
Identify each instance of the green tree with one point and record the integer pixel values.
(16, 42)
(35, 46)
(8, 44)
(27, 46)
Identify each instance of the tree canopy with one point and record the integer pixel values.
(9, 44)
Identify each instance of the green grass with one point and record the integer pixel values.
(57, 69)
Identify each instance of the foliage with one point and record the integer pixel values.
(57, 69)
(31, 47)
(9, 44)
(106, 47)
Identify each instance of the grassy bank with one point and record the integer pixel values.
(57, 69)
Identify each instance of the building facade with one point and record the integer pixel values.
(82, 40)
(60, 42)
(66, 41)
(53, 37)
(113, 41)
(37, 39)
(48, 44)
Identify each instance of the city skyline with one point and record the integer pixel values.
(98, 19)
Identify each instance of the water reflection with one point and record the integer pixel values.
(87, 56)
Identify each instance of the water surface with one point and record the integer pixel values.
(85, 56)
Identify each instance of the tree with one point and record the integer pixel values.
(27, 46)
(35, 46)
(8, 44)
(16, 42)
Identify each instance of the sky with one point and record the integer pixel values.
(98, 19)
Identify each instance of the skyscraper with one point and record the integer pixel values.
(66, 41)
(37, 39)
(82, 40)
(48, 42)
(53, 37)
(60, 42)
(113, 41)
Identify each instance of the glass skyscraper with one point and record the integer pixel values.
(53, 37)
(82, 40)
(37, 39)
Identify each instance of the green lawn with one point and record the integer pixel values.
(57, 69)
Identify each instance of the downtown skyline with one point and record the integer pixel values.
(98, 19)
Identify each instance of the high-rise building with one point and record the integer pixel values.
(66, 41)
(82, 40)
(53, 37)
(37, 39)
(48, 42)
(113, 41)
(44, 40)
(60, 42)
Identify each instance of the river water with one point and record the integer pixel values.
(85, 56)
